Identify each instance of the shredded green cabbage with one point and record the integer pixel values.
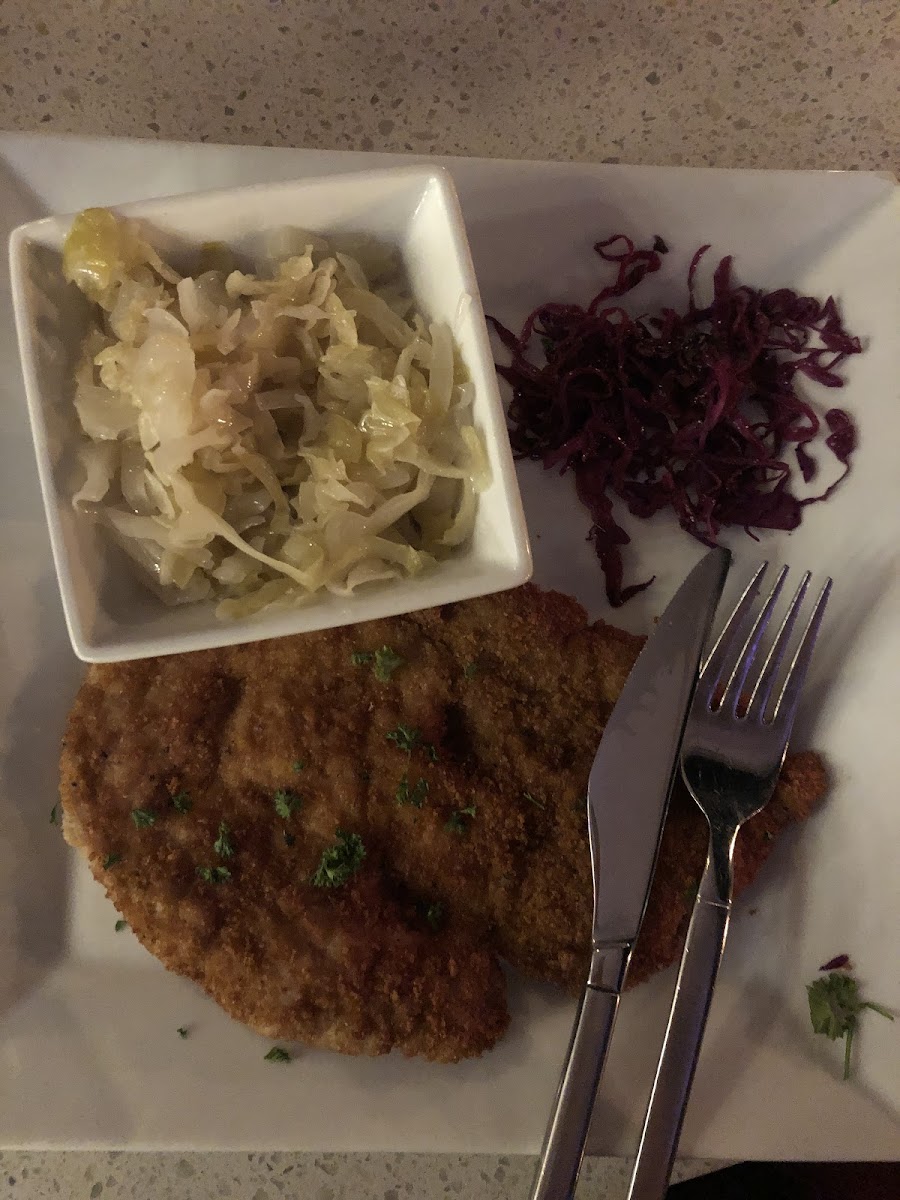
(255, 438)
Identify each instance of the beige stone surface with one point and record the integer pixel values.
(805, 83)
(769, 84)
(279, 1176)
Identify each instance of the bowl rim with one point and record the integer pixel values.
(135, 207)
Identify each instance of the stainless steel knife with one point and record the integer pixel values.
(628, 793)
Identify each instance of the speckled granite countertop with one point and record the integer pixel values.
(781, 83)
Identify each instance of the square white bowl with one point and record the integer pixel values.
(111, 615)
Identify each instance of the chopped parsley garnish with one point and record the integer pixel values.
(214, 874)
(182, 802)
(340, 861)
(54, 815)
(455, 821)
(120, 925)
(223, 844)
(534, 800)
(277, 1054)
(834, 1008)
(434, 914)
(384, 661)
(111, 860)
(414, 795)
(286, 803)
(298, 765)
(471, 670)
(182, 1031)
(405, 737)
(143, 817)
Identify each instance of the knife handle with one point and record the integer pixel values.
(700, 961)
(563, 1148)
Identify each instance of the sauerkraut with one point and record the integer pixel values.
(255, 436)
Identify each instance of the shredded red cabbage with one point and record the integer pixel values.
(694, 411)
(840, 962)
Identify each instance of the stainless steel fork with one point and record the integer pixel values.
(731, 753)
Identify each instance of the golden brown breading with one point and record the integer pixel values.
(507, 697)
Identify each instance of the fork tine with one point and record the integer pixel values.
(793, 685)
(763, 687)
(720, 655)
(734, 688)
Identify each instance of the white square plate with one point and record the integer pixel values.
(110, 613)
(88, 1049)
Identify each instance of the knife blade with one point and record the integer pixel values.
(627, 797)
(628, 788)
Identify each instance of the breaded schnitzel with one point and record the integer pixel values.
(431, 767)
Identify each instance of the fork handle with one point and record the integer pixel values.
(700, 960)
